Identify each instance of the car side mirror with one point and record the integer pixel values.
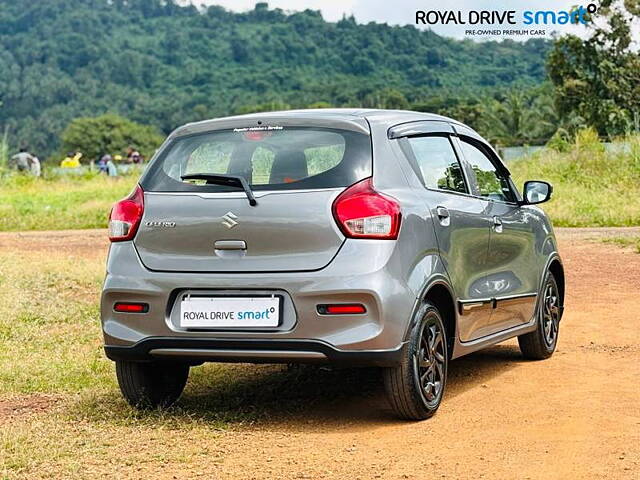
(536, 191)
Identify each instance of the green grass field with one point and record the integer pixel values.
(592, 187)
(52, 357)
(59, 203)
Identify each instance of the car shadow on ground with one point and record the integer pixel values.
(307, 396)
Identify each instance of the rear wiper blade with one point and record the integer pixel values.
(226, 180)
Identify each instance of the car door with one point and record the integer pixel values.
(461, 224)
(512, 271)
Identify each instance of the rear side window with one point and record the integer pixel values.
(288, 158)
(437, 163)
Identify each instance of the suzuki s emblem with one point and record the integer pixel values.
(229, 220)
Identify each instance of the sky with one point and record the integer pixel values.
(402, 12)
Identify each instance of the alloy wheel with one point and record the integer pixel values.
(550, 314)
(430, 361)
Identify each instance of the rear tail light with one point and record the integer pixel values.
(127, 307)
(126, 215)
(361, 212)
(342, 309)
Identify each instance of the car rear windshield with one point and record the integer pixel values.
(269, 159)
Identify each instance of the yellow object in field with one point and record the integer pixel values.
(71, 162)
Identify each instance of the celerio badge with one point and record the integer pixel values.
(154, 224)
(229, 220)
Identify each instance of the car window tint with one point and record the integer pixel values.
(438, 163)
(209, 157)
(321, 159)
(262, 163)
(491, 183)
(295, 157)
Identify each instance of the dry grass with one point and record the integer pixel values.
(626, 242)
(46, 301)
(51, 348)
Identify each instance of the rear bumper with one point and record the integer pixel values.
(368, 275)
(198, 350)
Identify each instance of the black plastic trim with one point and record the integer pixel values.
(139, 352)
(420, 127)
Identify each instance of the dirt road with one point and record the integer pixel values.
(576, 415)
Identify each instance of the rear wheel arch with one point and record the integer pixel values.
(440, 296)
(557, 269)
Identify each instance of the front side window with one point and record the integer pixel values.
(290, 158)
(437, 163)
(491, 183)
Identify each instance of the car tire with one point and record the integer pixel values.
(151, 385)
(541, 343)
(415, 387)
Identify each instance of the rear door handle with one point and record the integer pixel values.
(442, 212)
(497, 224)
(443, 216)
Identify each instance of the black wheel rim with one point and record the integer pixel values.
(550, 314)
(430, 361)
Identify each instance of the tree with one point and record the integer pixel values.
(521, 117)
(320, 105)
(598, 79)
(110, 134)
(165, 63)
(263, 107)
(387, 98)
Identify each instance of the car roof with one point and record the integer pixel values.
(357, 119)
(390, 117)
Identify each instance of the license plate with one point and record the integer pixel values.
(216, 312)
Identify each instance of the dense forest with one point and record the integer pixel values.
(159, 63)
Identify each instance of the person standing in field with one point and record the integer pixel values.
(106, 165)
(72, 160)
(22, 161)
(102, 164)
(36, 169)
(112, 170)
(134, 156)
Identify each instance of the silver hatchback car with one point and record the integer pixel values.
(351, 236)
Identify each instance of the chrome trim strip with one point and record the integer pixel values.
(222, 353)
(476, 300)
(471, 306)
(513, 297)
(465, 306)
(463, 348)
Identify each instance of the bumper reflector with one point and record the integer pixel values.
(125, 307)
(342, 309)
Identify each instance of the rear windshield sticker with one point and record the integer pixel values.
(258, 129)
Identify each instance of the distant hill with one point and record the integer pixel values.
(163, 64)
